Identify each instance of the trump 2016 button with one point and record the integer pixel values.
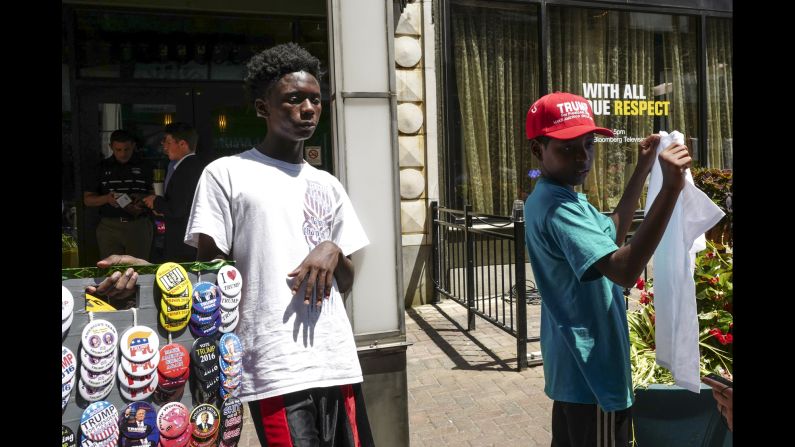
(99, 421)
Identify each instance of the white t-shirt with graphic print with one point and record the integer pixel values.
(268, 215)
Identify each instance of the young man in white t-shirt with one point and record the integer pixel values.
(290, 228)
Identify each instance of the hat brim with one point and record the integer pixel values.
(577, 131)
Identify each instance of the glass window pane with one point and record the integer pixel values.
(719, 93)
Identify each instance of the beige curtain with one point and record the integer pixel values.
(680, 62)
(496, 65)
(719, 93)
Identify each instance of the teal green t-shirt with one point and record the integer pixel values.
(584, 333)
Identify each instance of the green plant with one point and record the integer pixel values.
(68, 243)
(717, 185)
(714, 298)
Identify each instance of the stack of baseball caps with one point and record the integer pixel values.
(68, 376)
(173, 372)
(206, 421)
(231, 422)
(98, 355)
(206, 318)
(231, 283)
(138, 425)
(138, 377)
(67, 310)
(205, 380)
(175, 304)
(231, 366)
(99, 425)
(173, 421)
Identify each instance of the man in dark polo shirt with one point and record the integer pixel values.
(123, 180)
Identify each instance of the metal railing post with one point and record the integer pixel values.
(469, 242)
(435, 251)
(521, 288)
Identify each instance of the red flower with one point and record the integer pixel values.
(710, 255)
(728, 339)
(640, 283)
(714, 280)
(651, 295)
(715, 332)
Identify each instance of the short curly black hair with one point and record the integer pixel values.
(267, 67)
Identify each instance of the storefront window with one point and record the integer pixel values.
(719, 93)
(638, 70)
(495, 49)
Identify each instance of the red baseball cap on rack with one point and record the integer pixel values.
(563, 116)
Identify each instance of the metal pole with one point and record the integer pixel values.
(435, 251)
(521, 289)
(470, 268)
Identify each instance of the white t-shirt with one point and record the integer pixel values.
(268, 215)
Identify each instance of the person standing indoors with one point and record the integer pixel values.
(290, 229)
(124, 178)
(581, 267)
(179, 145)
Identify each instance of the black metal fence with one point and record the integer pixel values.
(479, 262)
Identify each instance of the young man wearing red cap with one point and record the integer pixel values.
(581, 268)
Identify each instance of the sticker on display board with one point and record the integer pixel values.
(67, 303)
(138, 369)
(139, 393)
(205, 319)
(109, 442)
(97, 379)
(68, 438)
(133, 382)
(230, 369)
(231, 348)
(66, 324)
(232, 413)
(180, 441)
(92, 394)
(172, 326)
(228, 328)
(97, 364)
(66, 388)
(68, 364)
(174, 360)
(206, 297)
(139, 343)
(99, 338)
(173, 419)
(204, 331)
(150, 440)
(137, 420)
(99, 421)
(228, 318)
(172, 278)
(205, 419)
(229, 280)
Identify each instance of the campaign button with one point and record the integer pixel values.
(109, 442)
(204, 442)
(150, 440)
(98, 379)
(139, 393)
(229, 280)
(137, 420)
(65, 400)
(211, 385)
(172, 278)
(228, 317)
(173, 419)
(99, 338)
(231, 434)
(204, 353)
(227, 394)
(67, 303)
(66, 324)
(68, 364)
(230, 303)
(180, 441)
(174, 360)
(203, 375)
(175, 315)
(138, 369)
(162, 397)
(68, 438)
(199, 319)
(66, 388)
(228, 328)
(133, 382)
(203, 331)
(99, 421)
(231, 348)
(139, 343)
(179, 301)
(230, 383)
(92, 394)
(230, 369)
(205, 420)
(97, 364)
(206, 297)
(173, 326)
(175, 304)
(232, 413)
(171, 384)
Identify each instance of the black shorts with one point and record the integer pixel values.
(586, 425)
(317, 417)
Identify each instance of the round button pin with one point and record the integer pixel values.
(231, 348)
(180, 441)
(68, 438)
(92, 394)
(232, 413)
(206, 297)
(133, 382)
(175, 304)
(97, 364)
(228, 328)
(175, 315)
(98, 379)
(150, 440)
(64, 401)
(204, 353)
(67, 303)
(172, 278)
(68, 364)
(174, 360)
(173, 419)
(230, 303)
(112, 441)
(231, 434)
(205, 420)
(173, 326)
(228, 317)
(182, 300)
(137, 420)
(66, 388)
(230, 369)
(99, 338)
(66, 324)
(230, 280)
(139, 393)
(199, 319)
(139, 343)
(99, 421)
(138, 369)
(204, 331)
